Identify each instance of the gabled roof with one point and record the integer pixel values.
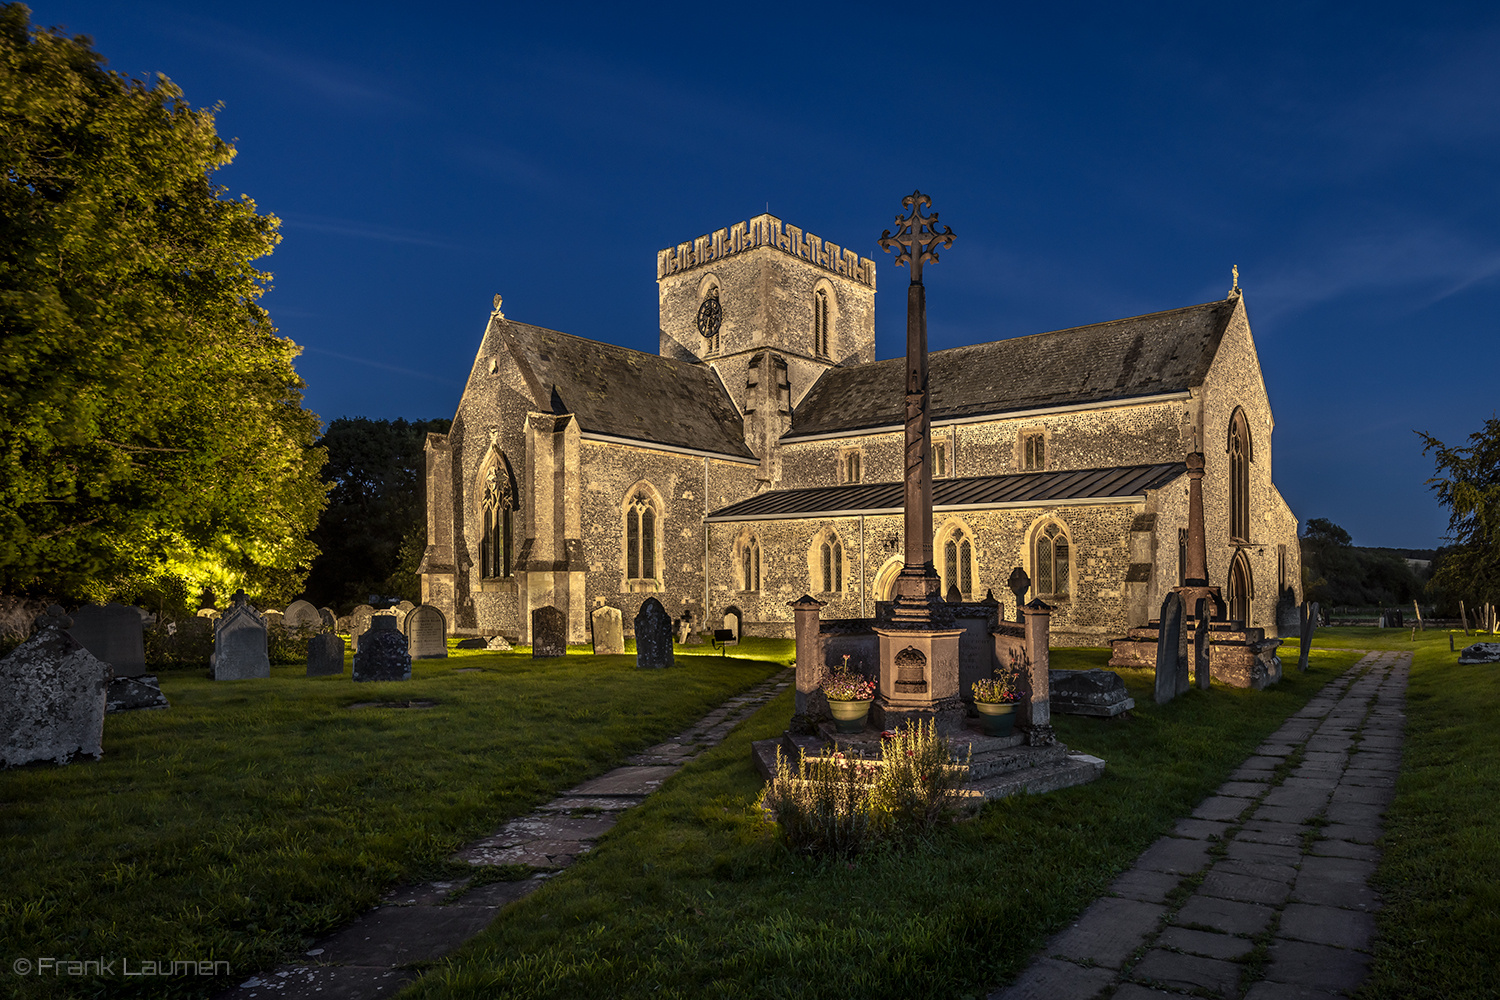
(1125, 358)
(628, 394)
(1025, 489)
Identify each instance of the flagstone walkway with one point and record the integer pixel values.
(421, 923)
(1263, 893)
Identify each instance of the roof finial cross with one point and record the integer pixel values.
(918, 235)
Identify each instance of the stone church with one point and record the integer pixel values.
(757, 457)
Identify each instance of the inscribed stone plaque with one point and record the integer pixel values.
(325, 655)
(653, 635)
(549, 633)
(1168, 643)
(382, 654)
(300, 615)
(52, 697)
(609, 631)
(114, 635)
(426, 633)
(240, 644)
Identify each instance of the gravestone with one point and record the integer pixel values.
(426, 633)
(549, 633)
(1168, 648)
(114, 635)
(406, 607)
(609, 631)
(733, 621)
(1087, 692)
(1309, 622)
(1018, 584)
(273, 618)
(473, 642)
(653, 635)
(325, 655)
(240, 644)
(208, 612)
(1202, 660)
(1480, 652)
(300, 615)
(329, 619)
(382, 655)
(359, 623)
(52, 697)
(498, 643)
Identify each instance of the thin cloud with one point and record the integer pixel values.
(379, 364)
(364, 231)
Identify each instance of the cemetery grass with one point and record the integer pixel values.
(692, 895)
(253, 816)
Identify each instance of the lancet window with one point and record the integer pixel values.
(1051, 579)
(496, 504)
(1239, 476)
(641, 517)
(831, 562)
(820, 323)
(750, 565)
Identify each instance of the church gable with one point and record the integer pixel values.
(1120, 360)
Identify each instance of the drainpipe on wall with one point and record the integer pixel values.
(861, 565)
(705, 536)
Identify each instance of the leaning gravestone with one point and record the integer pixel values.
(240, 644)
(382, 655)
(609, 631)
(473, 642)
(302, 616)
(549, 633)
(52, 697)
(1202, 649)
(325, 655)
(653, 635)
(1309, 622)
(113, 634)
(497, 643)
(1168, 643)
(426, 633)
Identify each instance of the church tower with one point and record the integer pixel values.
(769, 308)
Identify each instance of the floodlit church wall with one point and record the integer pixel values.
(1130, 434)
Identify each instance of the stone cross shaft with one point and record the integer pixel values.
(918, 236)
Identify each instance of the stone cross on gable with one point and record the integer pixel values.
(918, 235)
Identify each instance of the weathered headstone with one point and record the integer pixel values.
(406, 607)
(1202, 658)
(609, 631)
(426, 633)
(1088, 692)
(359, 623)
(208, 612)
(302, 616)
(325, 655)
(1168, 648)
(382, 655)
(653, 635)
(498, 643)
(329, 619)
(549, 633)
(1309, 622)
(1018, 584)
(240, 644)
(1480, 652)
(114, 634)
(734, 621)
(273, 618)
(52, 697)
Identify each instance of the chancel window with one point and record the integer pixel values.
(750, 565)
(820, 323)
(640, 538)
(1051, 562)
(497, 501)
(1239, 477)
(958, 566)
(832, 554)
(1034, 451)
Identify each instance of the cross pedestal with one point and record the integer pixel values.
(918, 678)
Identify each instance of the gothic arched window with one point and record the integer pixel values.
(832, 554)
(1241, 589)
(1240, 455)
(1050, 579)
(820, 323)
(641, 537)
(958, 562)
(497, 501)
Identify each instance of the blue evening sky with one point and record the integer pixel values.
(1095, 160)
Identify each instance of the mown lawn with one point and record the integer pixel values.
(691, 895)
(254, 815)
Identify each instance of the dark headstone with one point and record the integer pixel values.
(653, 635)
(329, 619)
(240, 644)
(473, 642)
(549, 633)
(1087, 692)
(426, 633)
(325, 655)
(131, 694)
(1019, 583)
(1287, 619)
(609, 631)
(1202, 661)
(734, 621)
(1168, 648)
(1309, 622)
(114, 634)
(382, 654)
(52, 697)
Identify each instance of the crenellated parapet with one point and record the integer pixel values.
(765, 231)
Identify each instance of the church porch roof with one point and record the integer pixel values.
(1024, 489)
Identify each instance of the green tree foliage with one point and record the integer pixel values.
(372, 535)
(150, 418)
(1467, 482)
(1336, 572)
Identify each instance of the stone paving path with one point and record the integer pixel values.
(421, 923)
(1263, 893)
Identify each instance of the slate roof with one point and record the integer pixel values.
(629, 394)
(1125, 358)
(977, 493)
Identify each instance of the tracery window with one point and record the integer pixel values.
(820, 323)
(1051, 562)
(832, 553)
(958, 563)
(497, 501)
(640, 537)
(1239, 476)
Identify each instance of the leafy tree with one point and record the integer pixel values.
(372, 535)
(150, 418)
(1467, 482)
(1335, 572)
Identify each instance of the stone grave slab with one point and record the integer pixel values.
(1088, 692)
(609, 631)
(130, 694)
(426, 631)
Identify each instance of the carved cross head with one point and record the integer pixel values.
(917, 235)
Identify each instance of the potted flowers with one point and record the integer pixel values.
(849, 696)
(995, 700)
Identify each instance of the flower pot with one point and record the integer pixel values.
(997, 718)
(848, 716)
